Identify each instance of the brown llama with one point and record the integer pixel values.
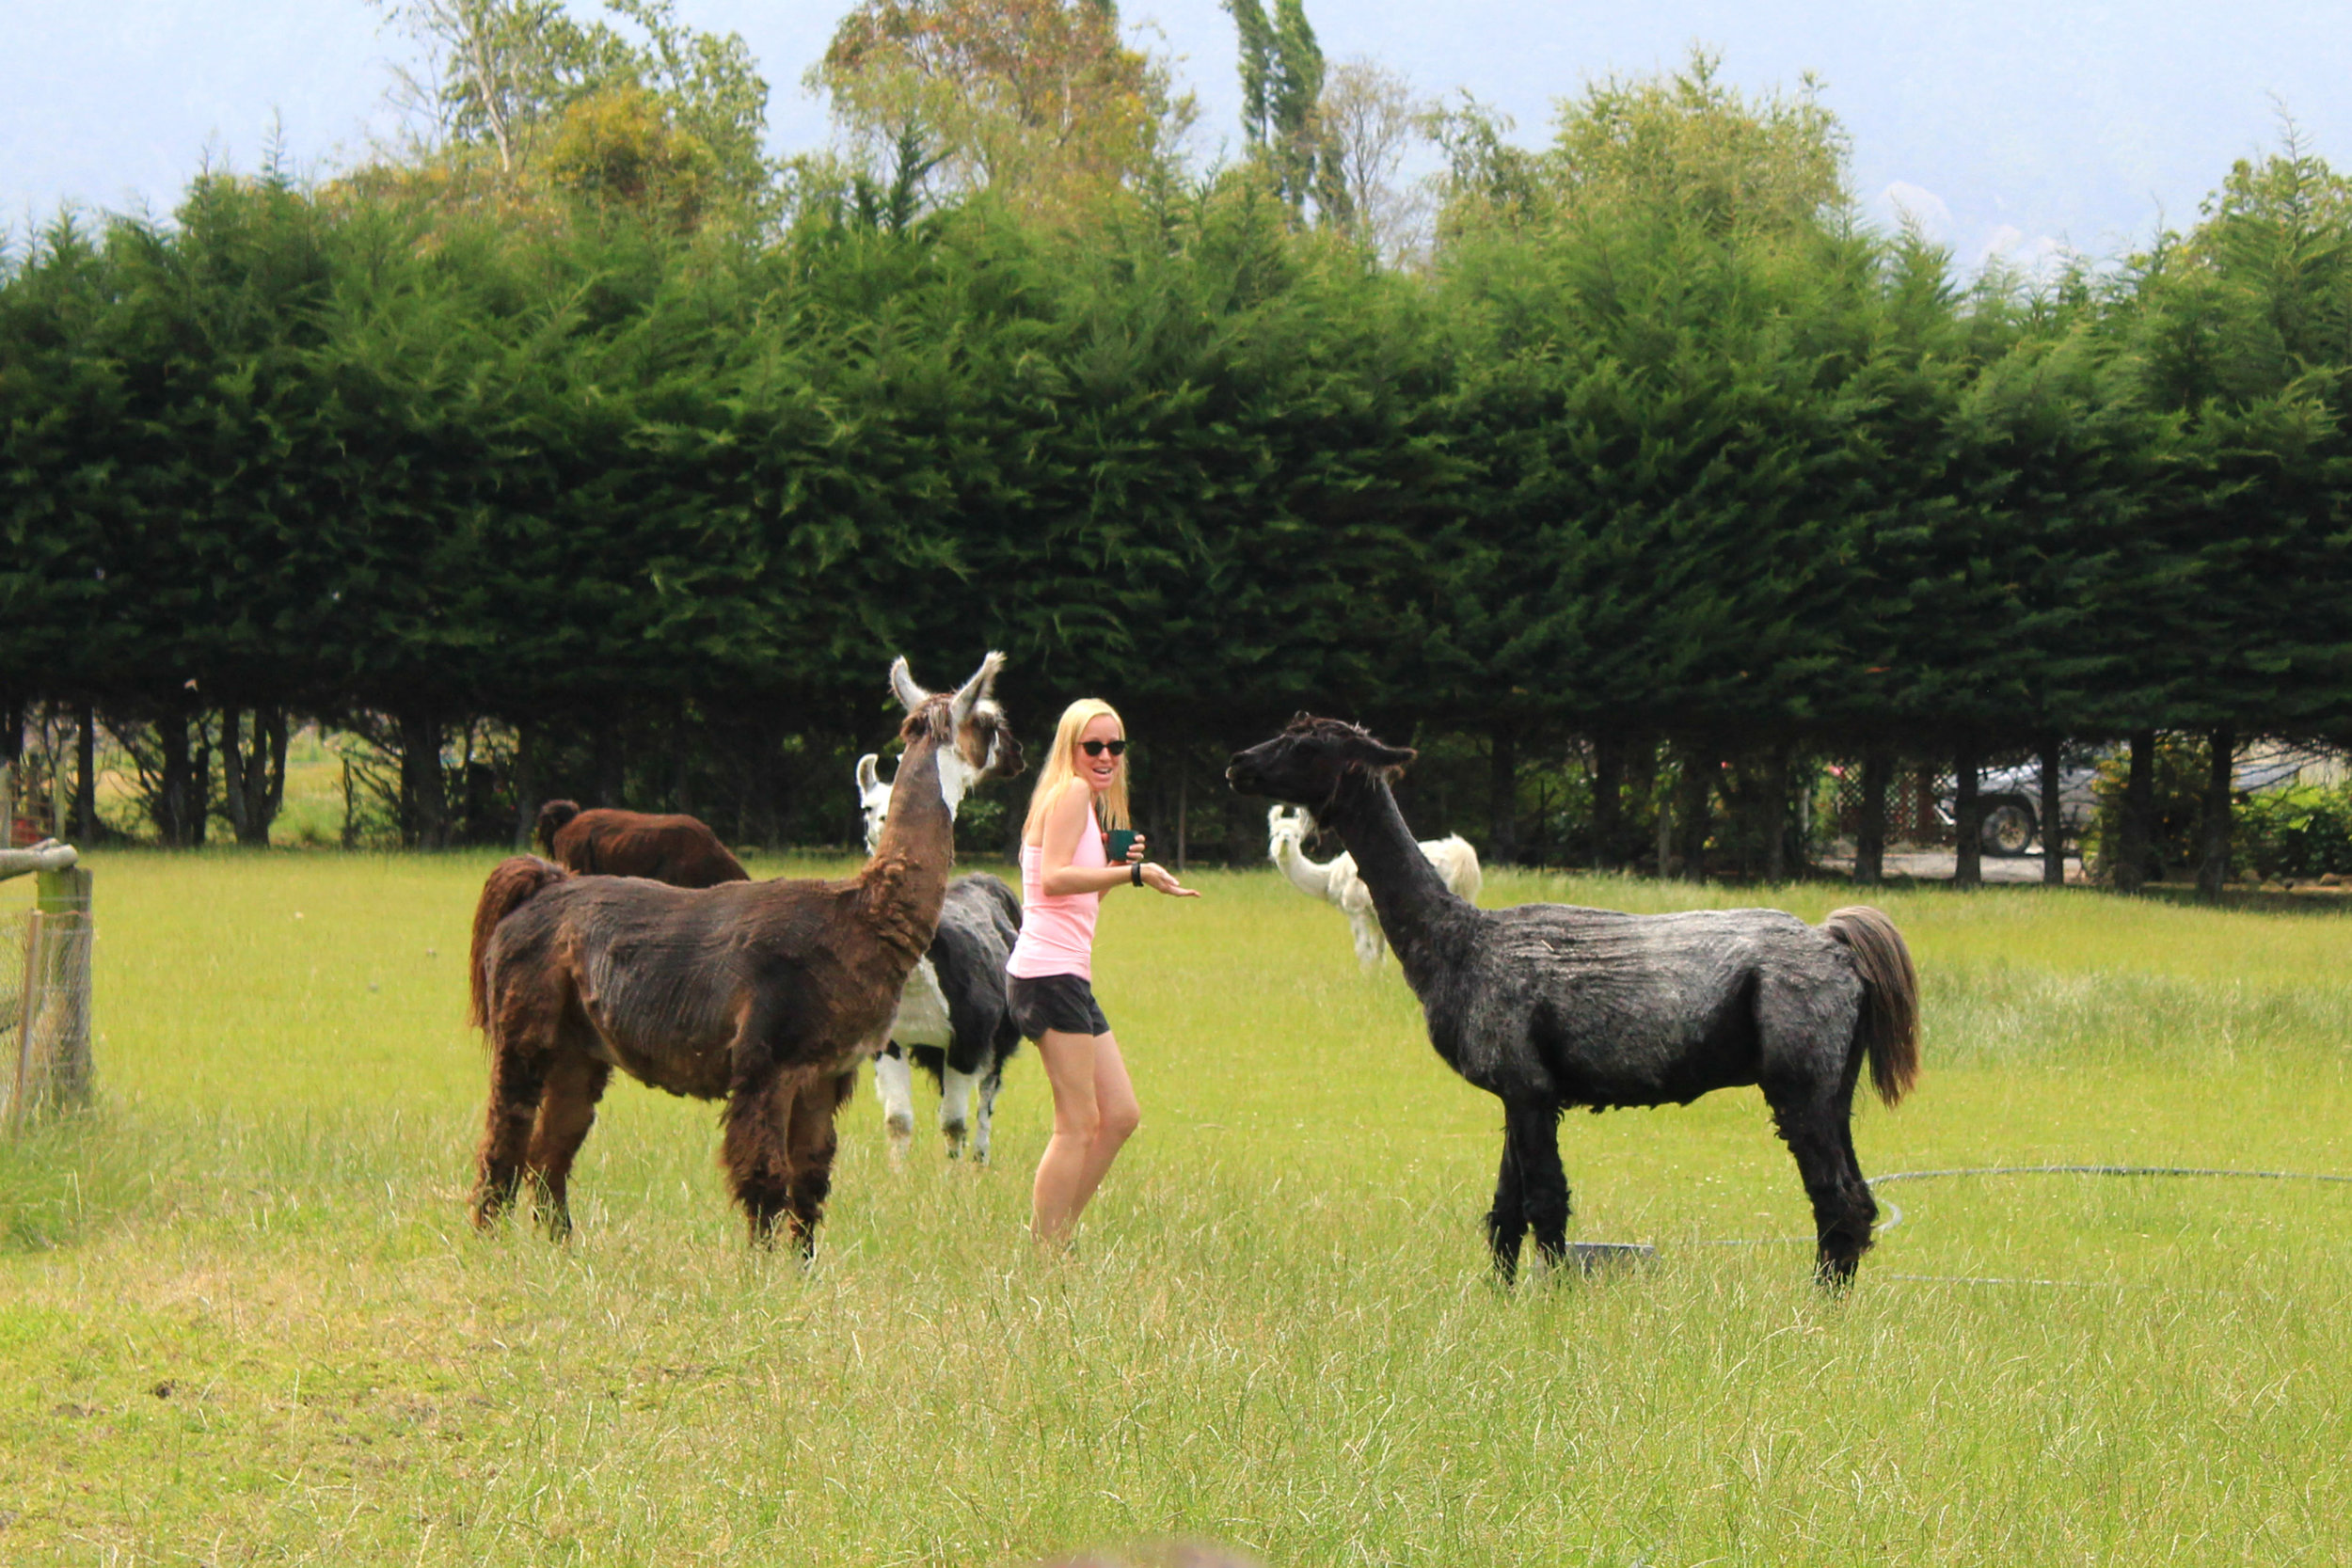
(605, 842)
(766, 995)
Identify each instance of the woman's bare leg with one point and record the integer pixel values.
(1095, 1111)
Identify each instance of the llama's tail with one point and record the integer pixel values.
(512, 885)
(551, 817)
(1890, 1006)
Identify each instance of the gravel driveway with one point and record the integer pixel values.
(1936, 865)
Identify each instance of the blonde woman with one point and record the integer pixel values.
(1065, 870)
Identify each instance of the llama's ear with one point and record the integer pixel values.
(987, 674)
(1394, 760)
(902, 683)
(968, 697)
(868, 775)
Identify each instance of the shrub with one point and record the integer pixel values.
(2304, 831)
(2172, 837)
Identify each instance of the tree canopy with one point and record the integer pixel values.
(1662, 443)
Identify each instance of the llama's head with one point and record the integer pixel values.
(976, 740)
(1310, 759)
(1288, 827)
(873, 798)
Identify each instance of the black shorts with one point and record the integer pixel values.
(1062, 1003)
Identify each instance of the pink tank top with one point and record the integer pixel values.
(1057, 933)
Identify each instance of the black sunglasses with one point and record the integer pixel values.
(1096, 748)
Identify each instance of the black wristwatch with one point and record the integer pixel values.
(1134, 873)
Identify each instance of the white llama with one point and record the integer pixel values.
(1336, 882)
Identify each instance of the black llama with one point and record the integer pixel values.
(1549, 1005)
(952, 1021)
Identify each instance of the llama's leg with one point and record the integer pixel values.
(989, 1083)
(1543, 1184)
(1820, 1135)
(1857, 1227)
(810, 1144)
(567, 1108)
(752, 1149)
(955, 1107)
(517, 1079)
(894, 1084)
(1368, 941)
(1506, 1222)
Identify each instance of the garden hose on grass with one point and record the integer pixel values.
(1590, 1255)
(1886, 1226)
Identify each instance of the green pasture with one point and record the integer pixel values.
(243, 1318)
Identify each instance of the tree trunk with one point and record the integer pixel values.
(232, 775)
(1870, 840)
(1503, 796)
(771, 786)
(526, 787)
(199, 783)
(253, 777)
(2213, 867)
(1608, 799)
(1695, 797)
(12, 752)
(1967, 817)
(2139, 816)
(423, 790)
(611, 764)
(1663, 785)
(1772, 815)
(275, 800)
(1183, 802)
(178, 804)
(86, 774)
(2053, 816)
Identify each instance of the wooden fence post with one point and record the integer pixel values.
(27, 1009)
(62, 904)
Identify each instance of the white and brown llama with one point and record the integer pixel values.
(1335, 881)
(766, 995)
(952, 1021)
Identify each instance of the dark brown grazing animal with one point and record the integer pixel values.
(1550, 1006)
(604, 842)
(766, 995)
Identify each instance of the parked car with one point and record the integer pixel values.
(2009, 802)
(2010, 798)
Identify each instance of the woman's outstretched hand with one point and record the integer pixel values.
(1160, 876)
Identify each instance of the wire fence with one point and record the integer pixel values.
(45, 1009)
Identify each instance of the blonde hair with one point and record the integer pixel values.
(1061, 765)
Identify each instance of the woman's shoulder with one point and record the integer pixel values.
(1066, 807)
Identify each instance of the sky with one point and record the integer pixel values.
(2001, 127)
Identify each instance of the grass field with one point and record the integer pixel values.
(242, 1319)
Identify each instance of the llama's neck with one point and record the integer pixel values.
(1305, 875)
(1417, 910)
(906, 879)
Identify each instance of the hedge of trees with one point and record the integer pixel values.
(1659, 480)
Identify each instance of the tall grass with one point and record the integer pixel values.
(242, 1318)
